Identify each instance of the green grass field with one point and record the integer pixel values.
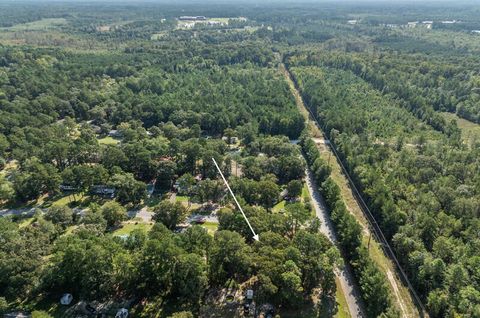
(470, 130)
(128, 227)
(342, 305)
(108, 141)
(25, 222)
(211, 227)
(38, 25)
(180, 198)
(279, 206)
(81, 200)
(305, 193)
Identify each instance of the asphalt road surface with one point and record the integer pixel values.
(344, 274)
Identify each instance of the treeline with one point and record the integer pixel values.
(372, 282)
(424, 85)
(413, 180)
(35, 83)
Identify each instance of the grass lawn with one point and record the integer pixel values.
(211, 227)
(181, 198)
(67, 199)
(279, 206)
(25, 222)
(130, 226)
(342, 305)
(305, 193)
(108, 141)
(470, 130)
(63, 201)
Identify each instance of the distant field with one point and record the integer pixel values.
(38, 25)
(470, 130)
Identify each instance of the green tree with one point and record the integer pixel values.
(185, 184)
(291, 289)
(7, 192)
(294, 188)
(3, 305)
(170, 214)
(190, 278)
(83, 264)
(60, 215)
(4, 144)
(93, 217)
(209, 190)
(230, 257)
(165, 173)
(156, 267)
(297, 215)
(196, 240)
(35, 179)
(114, 213)
(268, 192)
(128, 190)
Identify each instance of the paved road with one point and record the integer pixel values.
(344, 274)
(20, 211)
(143, 213)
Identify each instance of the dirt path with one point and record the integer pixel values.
(401, 295)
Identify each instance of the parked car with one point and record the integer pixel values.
(66, 299)
(199, 219)
(122, 313)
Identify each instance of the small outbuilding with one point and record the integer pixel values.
(249, 294)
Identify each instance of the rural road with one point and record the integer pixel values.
(344, 274)
(405, 304)
(21, 211)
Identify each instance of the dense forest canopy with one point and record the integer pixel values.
(111, 113)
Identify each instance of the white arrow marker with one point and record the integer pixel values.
(255, 236)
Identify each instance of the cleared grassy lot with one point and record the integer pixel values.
(108, 141)
(470, 130)
(279, 206)
(211, 227)
(128, 227)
